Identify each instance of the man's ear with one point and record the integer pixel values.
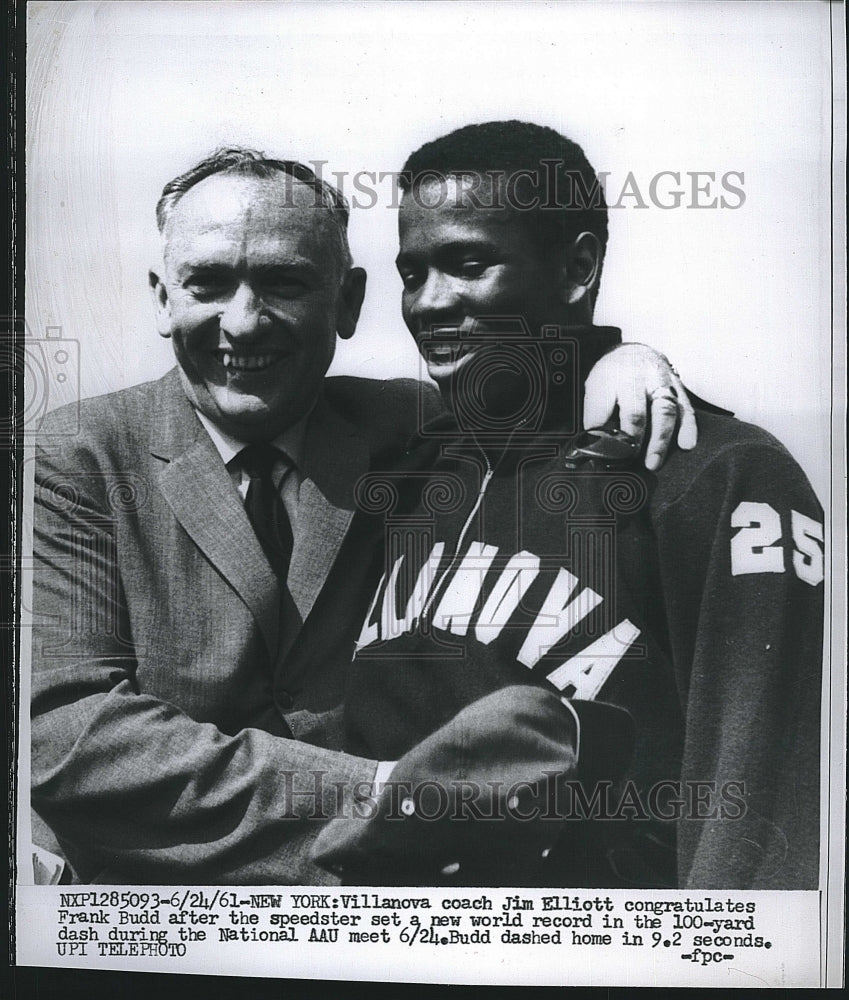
(581, 271)
(350, 302)
(161, 304)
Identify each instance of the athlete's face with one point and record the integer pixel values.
(252, 296)
(462, 265)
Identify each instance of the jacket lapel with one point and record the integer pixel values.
(198, 489)
(335, 457)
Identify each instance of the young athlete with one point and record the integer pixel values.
(589, 675)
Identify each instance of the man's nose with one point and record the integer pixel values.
(242, 314)
(437, 298)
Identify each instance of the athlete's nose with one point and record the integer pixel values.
(436, 301)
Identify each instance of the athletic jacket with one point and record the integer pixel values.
(692, 599)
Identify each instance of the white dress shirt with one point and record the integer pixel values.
(286, 473)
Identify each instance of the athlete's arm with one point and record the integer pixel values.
(741, 556)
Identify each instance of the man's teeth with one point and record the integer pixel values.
(247, 362)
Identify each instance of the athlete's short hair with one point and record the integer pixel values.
(556, 188)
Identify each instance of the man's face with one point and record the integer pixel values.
(458, 263)
(252, 296)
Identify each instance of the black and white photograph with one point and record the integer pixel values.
(433, 487)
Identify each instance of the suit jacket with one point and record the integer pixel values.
(177, 735)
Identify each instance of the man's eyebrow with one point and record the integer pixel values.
(446, 249)
(293, 264)
(299, 264)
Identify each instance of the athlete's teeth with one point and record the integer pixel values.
(225, 360)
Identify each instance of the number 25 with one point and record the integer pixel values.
(753, 548)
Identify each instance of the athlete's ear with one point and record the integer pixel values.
(581, 270)
(161, 305)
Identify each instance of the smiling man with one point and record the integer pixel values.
(589, 675)
(257, 284)
(460, 262)
(186, 676)
(201, 568)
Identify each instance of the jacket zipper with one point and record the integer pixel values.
(456, 557)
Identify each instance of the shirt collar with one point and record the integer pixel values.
(290, 441)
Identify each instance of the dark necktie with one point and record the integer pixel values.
(265, 508)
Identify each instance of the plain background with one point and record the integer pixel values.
(123, 96)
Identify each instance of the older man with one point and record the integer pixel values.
(200, 568)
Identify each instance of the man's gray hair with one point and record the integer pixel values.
(246, 162)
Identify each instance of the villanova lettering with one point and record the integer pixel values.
(450, 600)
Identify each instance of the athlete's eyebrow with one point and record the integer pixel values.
(447, 249)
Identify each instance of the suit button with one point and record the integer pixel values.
(284, 700)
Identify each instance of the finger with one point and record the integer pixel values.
(688, 428)
(664, 420)
(599, 401)
(688, 432)
(633, 415)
